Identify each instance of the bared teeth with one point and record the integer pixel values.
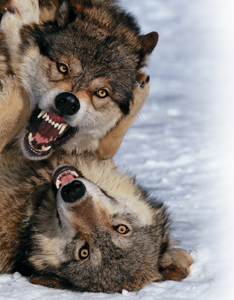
(36, 140)
(64, 126)
(44, 148)
(60, 126)
(59, 179)
(73, 173)
(41, 114)
(30, 137)
(58, 183)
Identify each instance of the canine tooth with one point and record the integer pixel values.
(44, 148)
(59, 126)
(58, 182)
(74, 173)
(30, 137)
(62, 128)
(41, 114)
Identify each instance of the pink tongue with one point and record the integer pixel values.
(40, 139)
(45, 132)
(67, 178)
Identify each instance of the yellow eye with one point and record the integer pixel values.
(102, 93)
(122, 229)
(84, 253)
(62, 68)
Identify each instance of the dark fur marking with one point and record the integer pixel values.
(51, 280)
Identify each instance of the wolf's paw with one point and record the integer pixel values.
(175, 264)
(140, 92)
(19, 13)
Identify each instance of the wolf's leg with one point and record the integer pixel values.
(110, 144)
(175, 263)
(14, 109)
(18, 14)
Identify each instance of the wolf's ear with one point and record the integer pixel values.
(51, 281)
(68, 10)
(148, 43)
(174, 264)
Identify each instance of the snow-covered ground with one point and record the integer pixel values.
(181, 147)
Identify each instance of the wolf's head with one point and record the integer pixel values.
(97, 231)
(79, 71)
(77, 222)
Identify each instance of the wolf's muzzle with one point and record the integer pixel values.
(67, 103)
(73, 191)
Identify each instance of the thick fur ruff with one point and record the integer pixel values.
(79, 68)
(110, 236)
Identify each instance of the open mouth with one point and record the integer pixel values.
(62, 176)
(65, 175)
(45, 132)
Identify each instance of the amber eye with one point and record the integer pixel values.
(122, 229)
(62, 68)
(102, 93)
(84, 252)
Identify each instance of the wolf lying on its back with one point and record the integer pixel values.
(76, 222)
(79, 70)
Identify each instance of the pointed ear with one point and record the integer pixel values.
(148, 43)
(51, 281)
(174, 264)
(68, 10)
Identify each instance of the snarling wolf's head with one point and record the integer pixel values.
(79, 71)
(97, 231)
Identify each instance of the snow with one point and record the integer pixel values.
(181, 147)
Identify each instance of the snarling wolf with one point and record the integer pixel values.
(78, 61)
(77, 222)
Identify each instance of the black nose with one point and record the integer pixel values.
(67, 103)
(73, 191)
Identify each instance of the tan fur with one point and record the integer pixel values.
(109, 145)
(12, 97)
(14, 107)
(14, 104)
(43, 233)
(111, 198)
(97, 118)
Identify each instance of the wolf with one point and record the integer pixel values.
(78, 62)
(76, 222)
